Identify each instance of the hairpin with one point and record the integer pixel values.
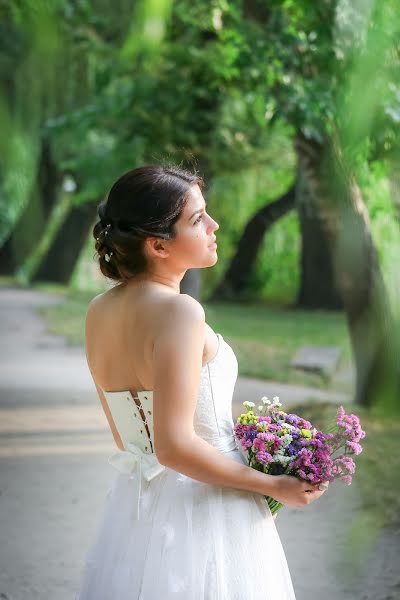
(108, 256)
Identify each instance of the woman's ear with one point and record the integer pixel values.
(156, 247)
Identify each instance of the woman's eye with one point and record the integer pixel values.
(198, 220)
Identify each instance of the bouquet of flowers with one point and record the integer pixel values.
(277, 443)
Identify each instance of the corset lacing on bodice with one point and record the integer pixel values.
(133, 417)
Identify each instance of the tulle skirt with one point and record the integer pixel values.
(193, 541)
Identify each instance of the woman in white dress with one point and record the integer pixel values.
(184, 517)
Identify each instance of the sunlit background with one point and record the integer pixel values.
(290, 110)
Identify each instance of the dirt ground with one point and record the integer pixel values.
(54, 476)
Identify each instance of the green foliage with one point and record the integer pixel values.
(222, 85)
(29, 50)
(234, 197)
(385, 222)
(147, 30)
(277, 276)
(203, 99)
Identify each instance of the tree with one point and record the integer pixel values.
(59, 262)
(318, 289)
(23, 237)
(236, 276)
(29, 52)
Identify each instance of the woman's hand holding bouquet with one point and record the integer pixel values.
(302, 457)
(293, 492)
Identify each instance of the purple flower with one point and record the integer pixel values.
(246, 443)
(264, 457)
(264, 419)
(251, 434)
(350, 425)
(311, 459)
(291, 449)
(357, 448)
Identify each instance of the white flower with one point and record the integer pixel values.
(276, 401)
(261, 407)
(286, 439)
(249, 404)
(280, 458)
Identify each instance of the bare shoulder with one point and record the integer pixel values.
(93, 306)
(177, 316)
(183, 307)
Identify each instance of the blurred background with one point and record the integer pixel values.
(291, 113)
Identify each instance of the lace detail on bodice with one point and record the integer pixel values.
(213, 416)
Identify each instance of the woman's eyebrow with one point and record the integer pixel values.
(197, 211)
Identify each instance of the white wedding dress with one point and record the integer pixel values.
(166, 536)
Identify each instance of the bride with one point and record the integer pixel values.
(184, 517)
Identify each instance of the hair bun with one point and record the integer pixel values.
(143, 202)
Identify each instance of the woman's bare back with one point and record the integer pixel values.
(121, 326)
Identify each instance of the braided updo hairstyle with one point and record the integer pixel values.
(143, 202)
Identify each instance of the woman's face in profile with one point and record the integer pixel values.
(194, 244)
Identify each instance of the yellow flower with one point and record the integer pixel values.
(282, 412)
(306, 433)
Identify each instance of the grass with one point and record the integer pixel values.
(264, 338)
(377, 473)
(68, 318)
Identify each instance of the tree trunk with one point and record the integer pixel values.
(356, 266)
(317, 289)
(238, 272)
(30, 226)
(191, 283)
(59, 262)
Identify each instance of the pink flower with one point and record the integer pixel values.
(347, 479)
(246, 443)
(357, 448)
(258, 444)
(264, 457)
(266, 436)
(350, 424)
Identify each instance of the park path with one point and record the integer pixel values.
(54, 475)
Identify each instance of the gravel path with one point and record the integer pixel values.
(54, 443)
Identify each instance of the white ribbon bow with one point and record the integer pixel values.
(133, 461)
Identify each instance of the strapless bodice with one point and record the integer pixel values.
(132, 414)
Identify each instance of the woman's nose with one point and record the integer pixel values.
(215, 225)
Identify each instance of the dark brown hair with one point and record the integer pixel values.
(143, 202)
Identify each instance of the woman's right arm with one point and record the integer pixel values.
(177, 363)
